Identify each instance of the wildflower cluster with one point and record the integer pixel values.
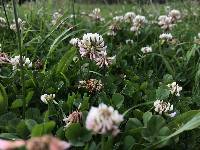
(2, 22)
(162, 107)
(137, 23)
(15, 61)
(175, 88)
(74, 117)
(166, 22)
(4, 58)
(92, 46)
(166, 37)
(96, 15)
(103, 119)
(48, 98)
(146, 49)
(55, 17)
(115, 25)
(21, 25)
(92, 85)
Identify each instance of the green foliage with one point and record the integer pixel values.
(77, 135)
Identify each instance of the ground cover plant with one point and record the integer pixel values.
(75, 76)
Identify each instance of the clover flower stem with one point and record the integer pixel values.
(5, 12)
(20, 52)
(102, 142)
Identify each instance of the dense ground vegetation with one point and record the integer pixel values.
(100, 76)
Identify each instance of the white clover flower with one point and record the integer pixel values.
(104, 60)
(2, 22)
(113, 29)
(118, 18)
(129, 16)
(166, 36)
(175, 15)
(92, 85)
(21, 25)
(138, 23)
(162, 107)
(15, 61)
(48, 98)
(111, 33)
(96, 15)
(146, 49)
(55, 17)
(91, 45)
(74, 117)
(129, 41)
(4, 58)
(103, 120)
(165, 22)
(175, 88)
(74, 41)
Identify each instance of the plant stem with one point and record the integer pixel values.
(102, 142)
(21, 57)
(4, 9)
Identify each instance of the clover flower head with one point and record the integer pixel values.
(96, 15)
(118, 18)
(4, 58)
(175, 15)
(104, 119)
(166, 36)
(55, 17)
(165, 22)
(129, 16)
(111, 33)
(2, 22)
(91, 45)
(139, 20)
(21, 25)
(137, 23)
(47, 98)
(103, 60)
(15, 61)
(74, 41)
(146, 49)
(162, 107)
(175, 88)
(92, 85)
(129, 41)
(74, 117)
(114, 27)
